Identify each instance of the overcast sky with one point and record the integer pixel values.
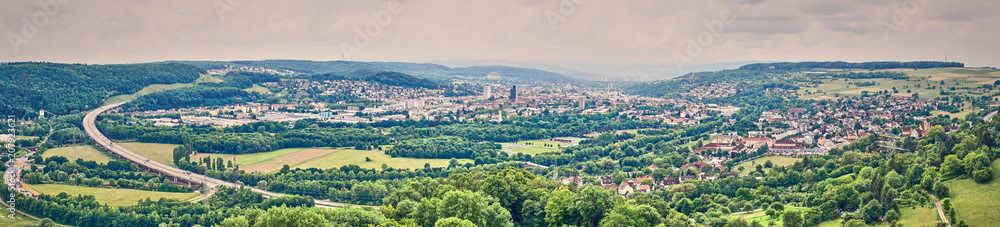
(593, 32)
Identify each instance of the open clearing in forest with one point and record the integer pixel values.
(919, 216)
(976, 203)
(160, 152)
(751, 165)
(87, 153)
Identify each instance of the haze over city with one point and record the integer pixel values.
(598, 36)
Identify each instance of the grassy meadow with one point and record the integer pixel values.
(976, 203)
(87, 153)
(776, 160)
(323, 158)
(925, 78)
(160, 152)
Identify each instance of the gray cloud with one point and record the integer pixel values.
(598, 31)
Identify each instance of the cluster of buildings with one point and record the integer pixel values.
(715, 90)
(841, 122)
(250, 69)
(687, 113)
(635, 183)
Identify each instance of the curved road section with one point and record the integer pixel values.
(178, 175)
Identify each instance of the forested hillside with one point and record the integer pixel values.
(422, 70)
(378, 76)
(191, 97)
(848, 65)
(243, 80)
(70, 88)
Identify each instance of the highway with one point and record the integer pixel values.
(156, 167)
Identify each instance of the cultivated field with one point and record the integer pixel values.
(921, 216)
(534, 147)
(762, 217)
(535, 150)
(976, 203)
(323, 158)
(344, 156)
(543, 143)
(258, 88)
(111, 197)
(925, 78)
(776, 160)
(160, 152)
(18, 220)
(87, 153)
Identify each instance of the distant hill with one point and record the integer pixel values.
(849, 65)
(502, 74)
(753, 83)
(516, 75)
(379, 76)
(69, 88)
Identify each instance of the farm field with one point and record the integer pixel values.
(111, 197)
(160, 152)
(762, 217)
(248, 159)
(323, 158)
(926, 78)
(976, 203)
(258, 88)
(18, 220)
(25, 137)
(534, 147)
(535, 150)
(268, 161)
(953, 115)
(87, 153)
(777, 160)
(344, 156)
(543, 143)
(921, 216)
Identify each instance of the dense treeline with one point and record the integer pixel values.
(347, 184)
(849, 65)
(532, 127)
(441, 147)
(114, 174)
(422, 70)
(70, 88)
(191, 97)
(227, 207)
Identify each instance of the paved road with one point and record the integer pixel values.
(154, 166)
(12, 177)
(937, 203)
